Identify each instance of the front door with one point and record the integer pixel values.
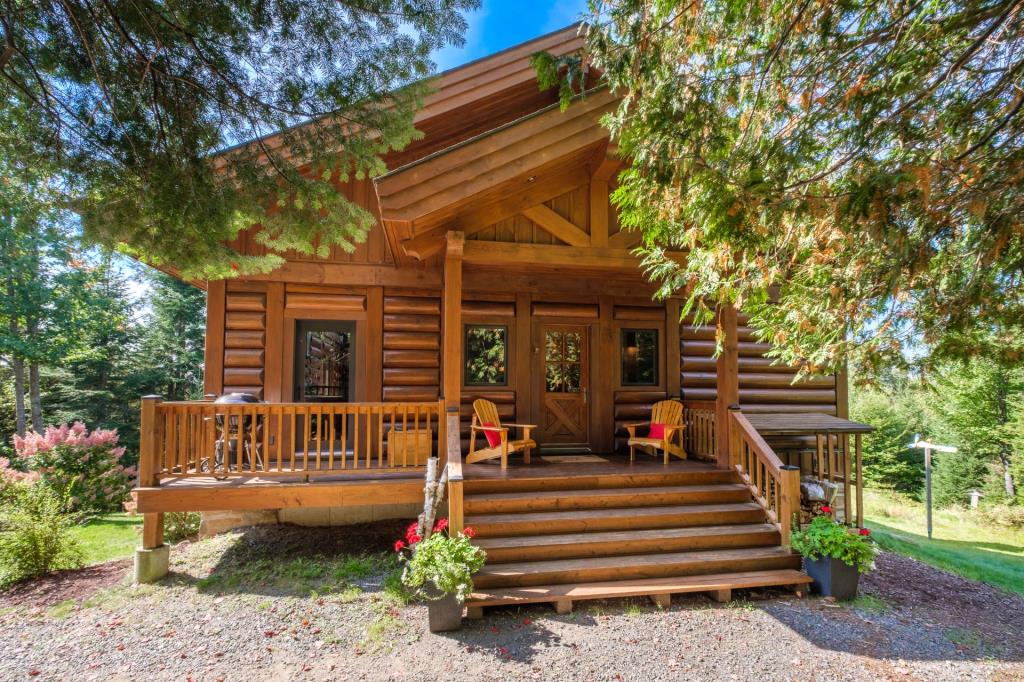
(563, 375)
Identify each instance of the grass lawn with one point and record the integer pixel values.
(960, 543)
(108, 537)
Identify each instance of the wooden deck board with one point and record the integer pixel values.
(636, 588)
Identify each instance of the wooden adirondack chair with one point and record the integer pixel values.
(669, 413)
(485, 419)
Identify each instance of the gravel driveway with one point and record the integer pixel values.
(322, 604)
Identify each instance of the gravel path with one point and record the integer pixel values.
(265, 604)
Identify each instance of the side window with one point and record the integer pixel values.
(639, 354)
(486, 353)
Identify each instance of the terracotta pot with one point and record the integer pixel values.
(444, 611)
(832, 577)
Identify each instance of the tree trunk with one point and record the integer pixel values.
(1002, 402)
(18, 367)
(34, 398)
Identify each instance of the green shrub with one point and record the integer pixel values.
(84, 468)
(35, 534)
(1007, 515)
(180, 526)
(824, 537)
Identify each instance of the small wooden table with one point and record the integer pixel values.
(832, 437)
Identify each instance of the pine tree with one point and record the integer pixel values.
(896, 415)
(170, 362)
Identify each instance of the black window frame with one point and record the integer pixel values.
(466, 329)
(622, 356)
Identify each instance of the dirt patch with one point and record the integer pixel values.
(77, 584)
(948, 600)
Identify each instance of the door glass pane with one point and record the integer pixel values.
(553, 346)
(553, 377)
(486, 355)
(571, 373)
(572, 346)
(325, 371)
(639, 357)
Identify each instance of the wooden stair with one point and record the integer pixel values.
(565, 539)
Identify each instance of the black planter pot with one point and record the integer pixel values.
(832, 577)
(444, 611)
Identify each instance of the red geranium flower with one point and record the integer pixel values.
(865, 531)
(234, 266)
(411, 532)
(469, 532)
(440, 525)
(399, 545)
(414, 539)
(826, 509)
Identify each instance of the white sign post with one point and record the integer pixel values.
(928, 447)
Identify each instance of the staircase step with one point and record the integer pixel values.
(634, 567)
(607, 498)
(618, 543)
(561, 522)
(527, 480)
(635, 588)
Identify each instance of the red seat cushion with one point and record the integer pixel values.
(493, 437)
(657, 431)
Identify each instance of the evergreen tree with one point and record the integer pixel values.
(170, 362)
(131, 100)
(896, 416)
(974, 410)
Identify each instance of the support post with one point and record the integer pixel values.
(149, 442)
(451, 362)
(789, 502)
(728, 383)
(456, 519)
(213, 357)
(153, 558)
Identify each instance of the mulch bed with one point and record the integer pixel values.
(76, 583)
(950, 600)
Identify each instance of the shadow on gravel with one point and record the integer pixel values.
(297, 561)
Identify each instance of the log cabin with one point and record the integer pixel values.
(497, 270)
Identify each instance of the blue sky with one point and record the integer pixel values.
(499, 24)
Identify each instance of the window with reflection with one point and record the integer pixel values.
(639, 357)
(563, 361)
(486, 355)
(326, 370)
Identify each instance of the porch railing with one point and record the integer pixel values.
(200, 438)
(699, 434)
(775, 485)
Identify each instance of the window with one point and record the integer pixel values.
(639, 357)
(563, 359)
(486, 355)
(324, 358)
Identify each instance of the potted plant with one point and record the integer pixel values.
(439, 569)
(834, 555)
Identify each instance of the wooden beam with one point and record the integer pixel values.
(451, 341)
(273, 357)
(353, 274)
(522, 361)
(624, 239)
(213, 356)
(152, 530)
(237, 495)
(607, 374)
(598, 212)
(728, 389)
(842, 379)
(673, 348)
(508, 254)
(374, 344)
(550, 221)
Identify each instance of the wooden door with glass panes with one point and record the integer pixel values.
(562, 371)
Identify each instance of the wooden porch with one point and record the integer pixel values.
(566, 527)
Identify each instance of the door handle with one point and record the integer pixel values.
(584, 394)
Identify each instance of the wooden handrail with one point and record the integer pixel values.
(200, 438)
(455, 479)
(775, 485)
(699, 436)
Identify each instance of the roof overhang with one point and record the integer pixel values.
(495, 175)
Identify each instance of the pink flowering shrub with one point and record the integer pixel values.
(84, 468)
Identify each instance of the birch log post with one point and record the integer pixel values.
(433, 496)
